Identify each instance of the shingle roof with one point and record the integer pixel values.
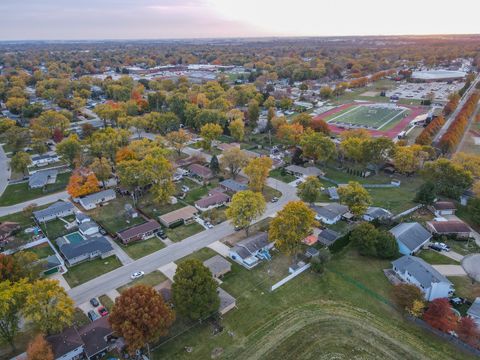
(330, 211)
(378, 212)
(450, 227)
(412, 235)
(98, 196)
(94, 335)
(474, 310)
(226, 299)
(201, 171)
(233, 185)
(214, 199)
(40, 178)
(328, 237)
(444, 205)
(60, 206)
(308, 171)
(218, 265)
(66, 341)
(139, 230)
(247, 247)
(87, 225)
(177, 215)
(87, 246)
(423, 272)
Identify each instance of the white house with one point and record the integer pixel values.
(474, 311)
(442, 208)
(416, 271)
(44, 160)
(88, 228)
(330, 214)
(91, 201)
(374, 213)
(250, 251)
(213, 201)
(54, 211)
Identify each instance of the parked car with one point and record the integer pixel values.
(435, 247)
(208, 224)
(94, 302)
(102, 311)
(102, 231)
(92, 315)
(442, 246)
(137, 275)
(274, 199)
(162, 235)
(457, 301)
(185, 188)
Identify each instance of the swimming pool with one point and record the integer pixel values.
(74, 238)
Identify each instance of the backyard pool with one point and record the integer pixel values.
(74, 238)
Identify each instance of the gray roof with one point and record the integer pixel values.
(378, 212)
(412, 235)
(330, 211)
(87, 225)
(98, 196)
(328, 237)
(333, 193)
(218, 265)
(247, 247)
(474, 310)
(58, 207)
(44, 156)
(40, 178)
(308, 171)
(233, 185)
(226, 299)
(423, 272)
(87, 246)
(81, 216)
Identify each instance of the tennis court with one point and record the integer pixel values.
(74, 238)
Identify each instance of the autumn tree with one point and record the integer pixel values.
(405, 296)
(450, 179)
(409, 159)
(233, 160)
(303, 119)
(52, 120)
(102, 169)
(178, 140)
(290, 134)
(20, 162)
(310, 190)
(16, 138)
(319, 125)
(378, 150)
(245, 207)
(467, 331)
(70, 149)
(257, 171)
(106, 142)
(39, 349)
(140, 316)
(210, 132)
(253, 113)
(356, 197)
(237, 129)
(291, 225)
(82, 183)
(440, 315)
(317, 146)
(469, 162)
(194, 290)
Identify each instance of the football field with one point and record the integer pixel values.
(376, 117)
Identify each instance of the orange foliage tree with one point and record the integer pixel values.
(39, 349)
(426, 136)
(82, 183)
(440, 315)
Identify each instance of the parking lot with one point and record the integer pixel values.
(420, 91)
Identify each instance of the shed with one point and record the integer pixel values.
(227, 301)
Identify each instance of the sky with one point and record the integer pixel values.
(165, 19)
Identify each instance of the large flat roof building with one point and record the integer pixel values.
(438, 75)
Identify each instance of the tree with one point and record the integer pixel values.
(317, 146)
(467, 331)
(320, 125)
(352, 148)
(52, 120)
(356, 197)
(163, 122)
(245, 207)
(440, 315)
(326, 92)
(290, 134)
(408, 159)
(214, 164)
(140, 316)
(405, 295)
(257, 171)
(233, 160)
(449, 178)
(469, 162)
(253, 113)
(303, 119)
(70, 149)
(21, 265)
(378, 150)
(16, 138)
(210, 132)
(371, 241)
(12, 300)
(387, 246)
(426, 195)
(48, 306)
(178, 140)
(20, 162)
(237, 129)
(291, 225)
(102, 169)
(194, 291)
(310, 190)
(39, 349)
(82, 183)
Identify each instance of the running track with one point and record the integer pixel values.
(391, 133)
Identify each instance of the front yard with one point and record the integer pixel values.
(89, 270)
(282, 175)
(183, 231)
(435, 258)
(152, 279)
(139, 249)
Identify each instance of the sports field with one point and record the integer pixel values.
(369, 116)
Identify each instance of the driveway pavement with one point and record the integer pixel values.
(220, 248)
(452, 255)
(168, 270)
(450, 270)
(12, 209)
(471, 264)
(121, 255)
(4, 170)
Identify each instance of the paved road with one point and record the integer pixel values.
(452, 117)
(149, 263)
(7, 210)
(4, 170)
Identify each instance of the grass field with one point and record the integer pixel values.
(139, 249)
(342, 314)
(183, 231)
(435, 258)
(42, 251)
(379, 118)
(88, 270)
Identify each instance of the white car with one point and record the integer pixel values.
(137, 275)
(185, 188)
(208, 225)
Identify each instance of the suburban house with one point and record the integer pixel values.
(376, 213)
(454, 227)
(227, 301)
(89, 341)
(7, 229)
(44, 160)
(80, 250)
(248, 251)
(327, 237)
(54, 211)
(227, 146)
(410, 237)
(441, 208)
(218, 266)
(185, 215)
(474, 311)
(331, 213)
(300, 171)
(213, 201)
(139, 232)
(40, 179)
(232, 186)
(416, 271)
(201, 172)
(91, 201)
(88, 228)
(80, 218)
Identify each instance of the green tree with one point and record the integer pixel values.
(245, 207)
(378, 150)
(303, 119)
(356, 197)
(426, 194)
(210, 132)
(20, 162)
(194, 290)
(317, 146)
(140, 316)
(70, 149)
(387, 246)
(310, 190)
(253, 113)
(102, 169)
(178, 140)
(17, 138)
(214, 164)
(364, 236)
(450, 179)
(233, 160)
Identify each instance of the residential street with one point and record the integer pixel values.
(149, 263)
(4, 170)
(12, 209)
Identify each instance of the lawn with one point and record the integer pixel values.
(183, 231)
(282, 175)
(112, 217)
(42, 251)
(343, 314)
(56, 228)
(269, 193)
(435, 258)
(463, 247)
(139, 249)
(151, 279)
(79, 318)
(18, 193)
(464, 287)
(89, 270)
(106, 301)
(202, 255)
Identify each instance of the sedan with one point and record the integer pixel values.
(137, 275)
(94, 302)
(208, 225)
(102, 311)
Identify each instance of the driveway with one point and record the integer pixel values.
(452, 255)
(121, 255)
(4, 170)
(450, 270)
(471, 264)
(12, 209)
(168, 270)
(220, 248)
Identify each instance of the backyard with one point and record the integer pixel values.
(42, 251)
(139, 249)
(54, 229)
(88, 270)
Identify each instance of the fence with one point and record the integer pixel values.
(364, 185)
(290, 277)
(406, 212)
